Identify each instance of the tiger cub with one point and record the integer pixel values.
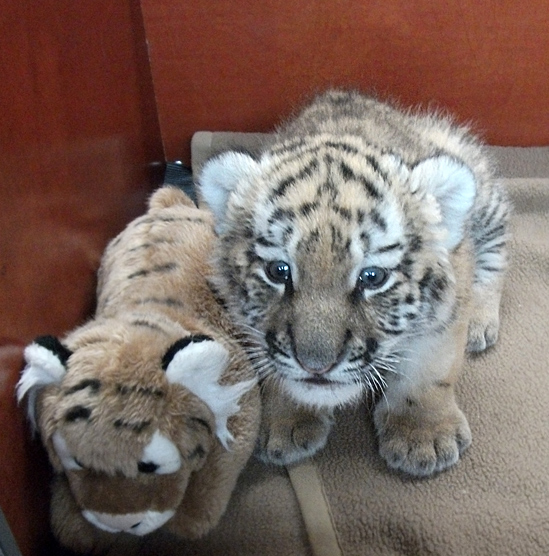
(365, 249)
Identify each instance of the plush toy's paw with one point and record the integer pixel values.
(295, 434)
(421, 446)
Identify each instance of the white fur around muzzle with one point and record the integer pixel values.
(139, 524)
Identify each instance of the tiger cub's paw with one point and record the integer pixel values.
(421, 447)
(482, 334)
(484, 322)
(297, 435)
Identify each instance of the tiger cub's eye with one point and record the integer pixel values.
(372, 278)
(278, 272)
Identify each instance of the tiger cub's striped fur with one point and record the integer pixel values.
(366, 248)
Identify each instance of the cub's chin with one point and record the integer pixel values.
(322, 392)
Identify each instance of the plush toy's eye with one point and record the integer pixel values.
(69, 462)
(198, 452)
(372, 278)
(147, 467)
(278, 272)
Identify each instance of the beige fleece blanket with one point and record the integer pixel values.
(495, 502)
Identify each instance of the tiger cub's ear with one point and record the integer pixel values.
(46, 360)
(220, 176)
(453, 185)
(197, 362)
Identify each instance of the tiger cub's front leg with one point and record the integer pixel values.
(289, 431)
(420, 428)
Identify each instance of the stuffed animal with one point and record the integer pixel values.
(149, 411)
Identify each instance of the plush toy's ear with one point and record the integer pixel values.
(197, 363)
(46, 360)
(453, 186)
(219, 177)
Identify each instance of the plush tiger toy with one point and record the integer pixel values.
(365, 249)
(149, 411)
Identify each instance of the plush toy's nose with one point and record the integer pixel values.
(136, 523)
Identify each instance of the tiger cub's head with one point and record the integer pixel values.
(336, 254)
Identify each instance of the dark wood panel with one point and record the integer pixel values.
(79, 132)
(79, 138)
(240, 65)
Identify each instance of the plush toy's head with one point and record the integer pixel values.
(150, 411)
(128, 417)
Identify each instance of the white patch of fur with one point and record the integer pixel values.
(198, 367)
(220, 176)
(43, 368)
(162, 452)
(453, 186)
(141, 523)
(391, 212)
(336, 395)
(394, 166)
(62, 450)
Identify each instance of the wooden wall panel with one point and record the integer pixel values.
(241, 65)
(79, 135)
